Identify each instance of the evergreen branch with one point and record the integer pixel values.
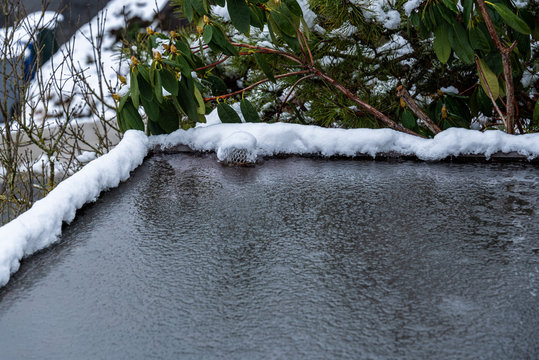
(290, 93)
(255, 85)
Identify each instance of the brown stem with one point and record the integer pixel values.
(405, 95)
(255, 85)
(506, 61)
(370, 109)
(212, 65)
(490, 95)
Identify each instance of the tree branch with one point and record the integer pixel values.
(405, 95)
(255, 85)
(508, 73)
(490, 95)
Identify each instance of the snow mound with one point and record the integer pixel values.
(238, 149)
(42, 224)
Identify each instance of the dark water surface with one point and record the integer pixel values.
(292, 259)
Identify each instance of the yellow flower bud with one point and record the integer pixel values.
(150, 31)
(173, 49)
(439, 92)
(122, 79)
(173, 34)
(200, 29)
(116, 97)
(444, 112)
(403, 103)
(157, 56)
(134, 61)
(206, 19)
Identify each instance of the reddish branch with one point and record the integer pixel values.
(508, 74)
(370, 109)
(307, 63)
(405, 95)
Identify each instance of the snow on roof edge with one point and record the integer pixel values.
(41, 226)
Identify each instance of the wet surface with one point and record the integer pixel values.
(294, 258)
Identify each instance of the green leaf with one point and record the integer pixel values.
(132, 118)
(151, 108)
(467, 11)
(442, 47)
(227, 114)
(168, 118)
(201, 109)
(240, 15)
(199, 6)
(221, 3)
(123, 100)
(145, 88)
(133, 86)
(478, 40)
(408, 120)
(188, 10)
(217, 85)
(535, 119)
(257, 17)
(155, 129)
(460, 44)
(184, 66)
(218, 39)
(170, 82)
(294, 7)
(144, 72)
(283, 23)
(249, 112)
(158, 86)
(259, 58)
(451, 5)
(208, 33)
(490, 78)
(511, 19)
(186, 98)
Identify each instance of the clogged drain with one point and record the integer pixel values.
(239, 149)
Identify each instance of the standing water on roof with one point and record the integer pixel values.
(293, 258)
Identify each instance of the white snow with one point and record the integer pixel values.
(41, 226)
(22, 33)
(239, 142)
(82, 52)
(411, 5)
(450, 90)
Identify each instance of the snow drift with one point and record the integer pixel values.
(41, 226)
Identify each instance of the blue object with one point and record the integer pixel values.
(30, 65)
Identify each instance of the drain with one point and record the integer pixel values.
(239, 149)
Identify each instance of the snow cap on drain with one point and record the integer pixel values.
(238, 149)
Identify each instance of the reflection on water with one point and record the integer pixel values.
(294, 258)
